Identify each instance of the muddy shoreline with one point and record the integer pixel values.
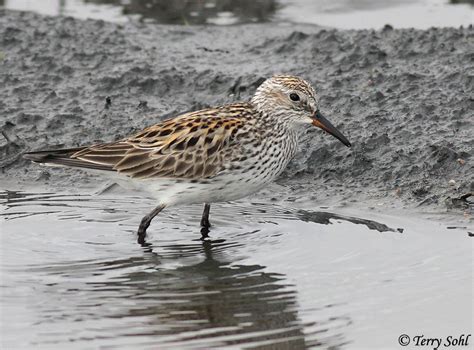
(403, 97)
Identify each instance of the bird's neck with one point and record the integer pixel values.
(275, 125)
(273, 120)
(276, 120)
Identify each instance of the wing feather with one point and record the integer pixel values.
(193, 145)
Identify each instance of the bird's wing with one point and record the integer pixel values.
(193, 145)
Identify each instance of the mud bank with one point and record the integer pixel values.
(403, 97)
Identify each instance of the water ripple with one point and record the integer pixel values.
(268, 276)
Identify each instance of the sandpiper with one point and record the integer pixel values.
(212, 155)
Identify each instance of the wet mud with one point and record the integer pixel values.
(403, 98)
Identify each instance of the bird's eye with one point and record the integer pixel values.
(294, 97)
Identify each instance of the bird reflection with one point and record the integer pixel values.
(226, 300)
(211, 303)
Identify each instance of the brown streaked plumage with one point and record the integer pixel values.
(192, 146)
(216, 154)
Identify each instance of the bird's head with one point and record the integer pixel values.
(293, 100)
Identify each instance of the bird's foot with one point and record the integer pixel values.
(141, 237)
(205, 223)
(205, 234)
(142, 241)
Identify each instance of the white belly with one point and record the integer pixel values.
(170, 192)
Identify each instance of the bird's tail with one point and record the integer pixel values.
(62, 157)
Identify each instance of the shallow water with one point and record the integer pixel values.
(73, 276)
(333, 13)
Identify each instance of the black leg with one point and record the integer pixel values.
(205, 224)
(145, 223)
(205, 216)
